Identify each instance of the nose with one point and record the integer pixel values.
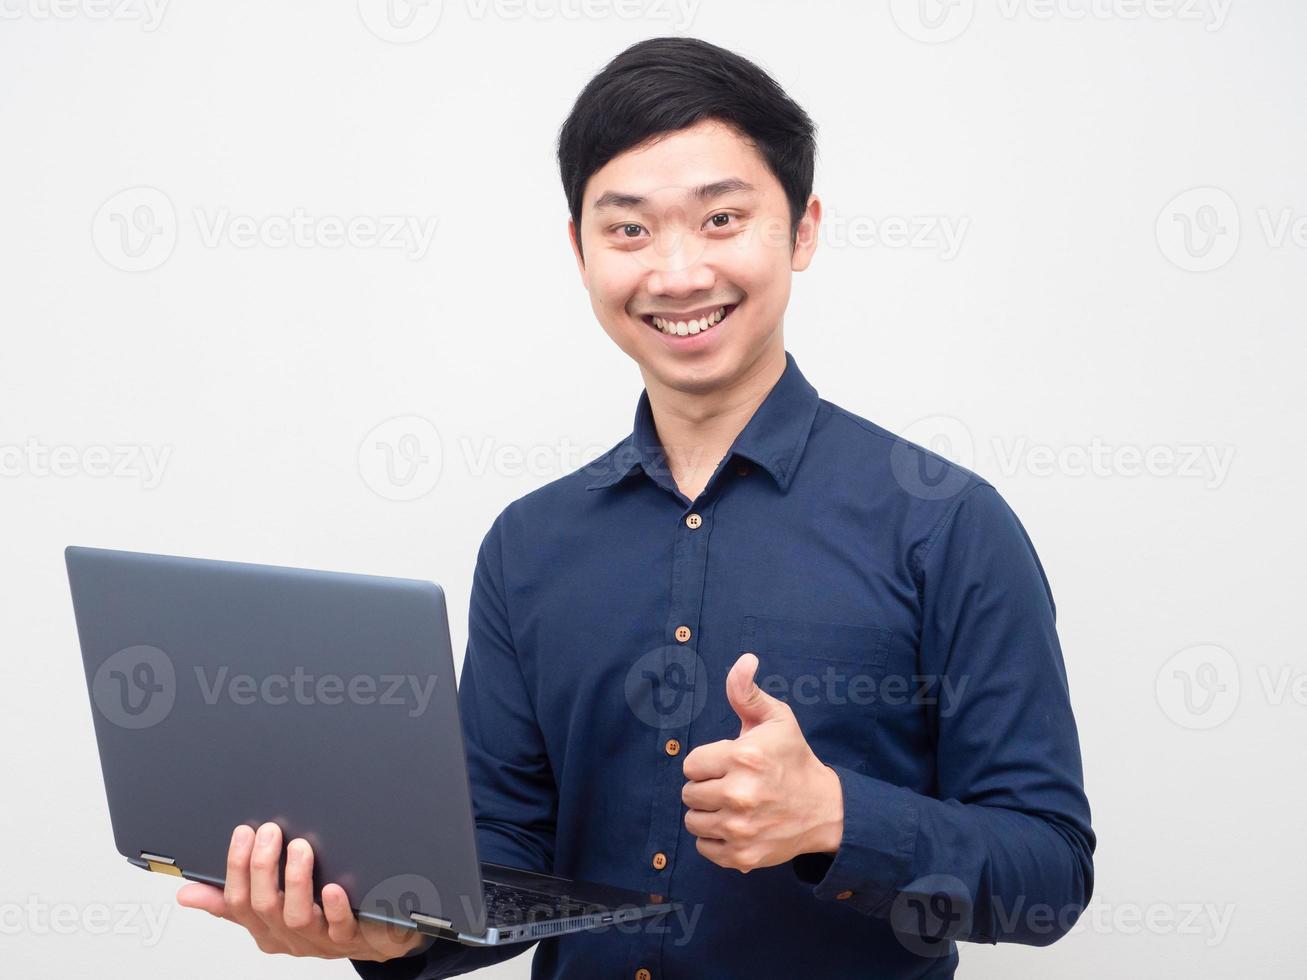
(677, 268)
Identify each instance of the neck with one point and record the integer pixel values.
(697, 428)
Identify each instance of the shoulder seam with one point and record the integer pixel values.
(937, 531)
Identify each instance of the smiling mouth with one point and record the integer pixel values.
(685, 326)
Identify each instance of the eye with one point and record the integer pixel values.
(725, 221)
(630, 230)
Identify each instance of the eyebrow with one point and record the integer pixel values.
(704, 192)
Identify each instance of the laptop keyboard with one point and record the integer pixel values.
(510, 905)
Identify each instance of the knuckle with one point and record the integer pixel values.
(238, 903)
(749, 755)
(740, 798)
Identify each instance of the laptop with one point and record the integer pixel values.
(225, 693)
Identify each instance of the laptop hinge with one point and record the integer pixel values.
(163, 865)
(430, 920)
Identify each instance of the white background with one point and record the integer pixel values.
(1069, 346)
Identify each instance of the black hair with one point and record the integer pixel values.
(665, 84)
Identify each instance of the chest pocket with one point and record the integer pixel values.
(830, 674)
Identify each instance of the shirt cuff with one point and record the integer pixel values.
(874, 859)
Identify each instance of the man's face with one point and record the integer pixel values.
(687, 255)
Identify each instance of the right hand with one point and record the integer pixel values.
(291, 922)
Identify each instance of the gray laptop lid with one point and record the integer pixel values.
(227, 693)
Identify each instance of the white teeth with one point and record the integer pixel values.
(682, 328)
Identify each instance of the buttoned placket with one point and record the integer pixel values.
(669, 746)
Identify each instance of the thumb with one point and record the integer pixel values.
(196, 895)
(751, 703)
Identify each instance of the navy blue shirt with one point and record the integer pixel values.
(893, 600)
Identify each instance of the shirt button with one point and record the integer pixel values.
(643, 974)
(742, 469)
(844, 894)
(682, 634)
(673, 747)
(659, 861)
(694, 522)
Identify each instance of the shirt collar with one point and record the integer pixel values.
(774, 436)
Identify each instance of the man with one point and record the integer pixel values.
(761, 656)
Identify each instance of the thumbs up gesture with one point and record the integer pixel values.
(762, 798)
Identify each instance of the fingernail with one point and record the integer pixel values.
(265, 834)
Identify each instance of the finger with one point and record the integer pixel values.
(704, 825)
(709, 761)
(298, 911)
(236, 890)
(705, 794)
(716, 851)
(265, 862)
(194, 895)
(342, 927)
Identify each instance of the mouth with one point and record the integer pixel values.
(689, 323)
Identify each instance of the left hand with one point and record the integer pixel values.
(762, 798)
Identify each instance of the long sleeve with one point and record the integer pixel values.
(1003, 852)
(514, 795)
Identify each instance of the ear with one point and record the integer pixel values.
(805, 239)
(574, 238)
